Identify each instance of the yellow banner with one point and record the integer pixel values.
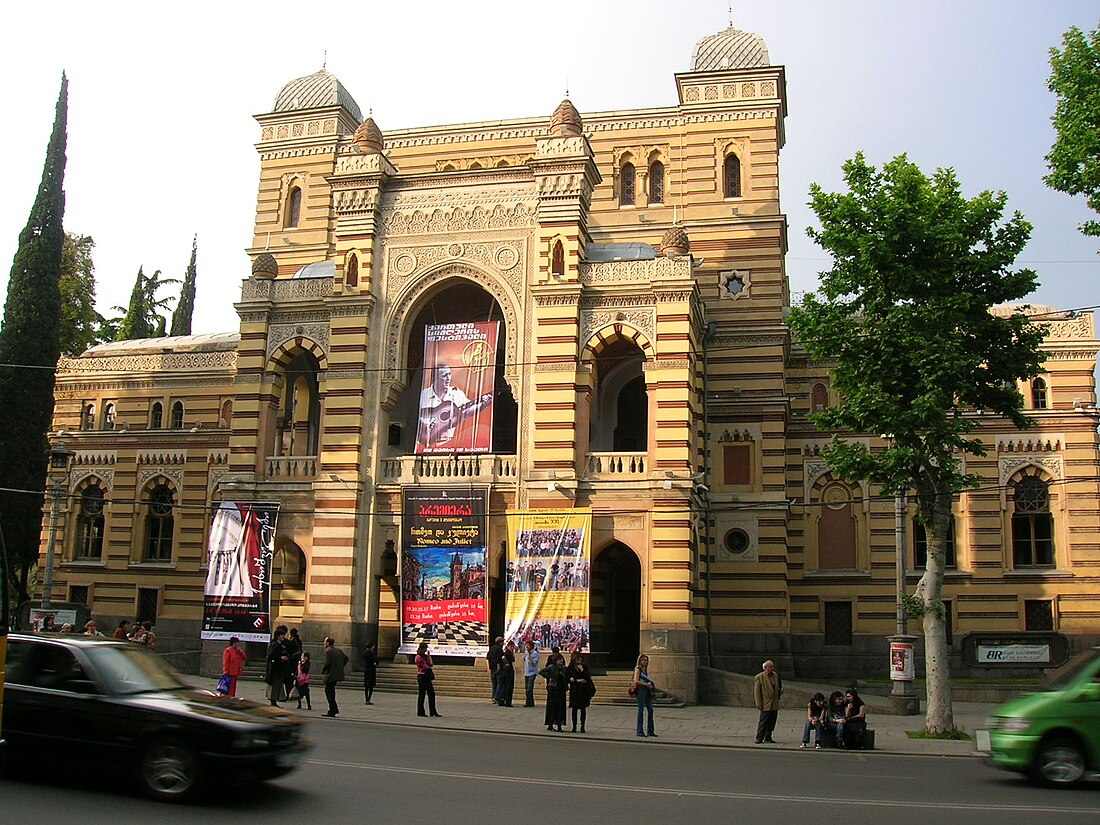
(549, 570)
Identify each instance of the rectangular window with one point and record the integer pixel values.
(736, 464)
(920, 546)
(838, 623)
(148, 604)
(948, 622)
(78, 594)
(1039, 614)
(1033, 540)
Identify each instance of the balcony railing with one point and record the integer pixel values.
(620, 465)
(416, 469)
(291, 467)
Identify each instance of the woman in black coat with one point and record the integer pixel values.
(581, 687)
(554, 674)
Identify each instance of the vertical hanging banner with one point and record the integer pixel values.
(443, 596)
(237, 596)
(456, 397)
(549, 568)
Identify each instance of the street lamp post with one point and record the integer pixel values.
(902, 645)
(60, 455)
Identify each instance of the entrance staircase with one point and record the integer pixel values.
(468, 682)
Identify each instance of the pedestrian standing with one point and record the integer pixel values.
(767, 688)
(233, 659)
(644, 689)
(493, 657)
(581, 688)
(530, 672)
(333, 671)
(370, 670)
(276, 665)
(506, 679)
(554, 674)
(425, 675)
(301, 680)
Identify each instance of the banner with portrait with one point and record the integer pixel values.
(456, 396)
(240, 554)
(443, 584)
(548, 575)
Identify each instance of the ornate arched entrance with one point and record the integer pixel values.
(616, 592)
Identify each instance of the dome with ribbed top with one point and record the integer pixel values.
(730, 49)
(566, 120)
(368, 137)
(316, 91)
(675, 242)
(265, 266)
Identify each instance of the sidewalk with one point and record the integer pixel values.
(698, 725)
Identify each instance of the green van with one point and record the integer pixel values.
(1053, 734)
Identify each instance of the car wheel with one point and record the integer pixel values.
(1060, 762)
(169, 770)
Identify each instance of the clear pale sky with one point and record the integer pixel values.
(162, 98)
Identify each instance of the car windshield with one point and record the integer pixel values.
(131, 669)
(1062, 677)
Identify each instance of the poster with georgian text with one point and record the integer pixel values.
(443, 582)
(456, 396)
(237, 595)
(548, 575)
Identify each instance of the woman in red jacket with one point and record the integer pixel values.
(233, 659)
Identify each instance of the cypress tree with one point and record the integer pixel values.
(185, 307)
(29, 349)
(135, 323)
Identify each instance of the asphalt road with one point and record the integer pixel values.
(376, 773)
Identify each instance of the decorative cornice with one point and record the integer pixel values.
(1052, 464)
(631, 271)
(151, 362)
(286, 289)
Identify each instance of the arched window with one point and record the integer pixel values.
(626, 185)
(159, 522)
(557, 260)
(920, 546)
(819, 398)
(657, 182)
(1032, 524)
(87, 419)
(226, 417)
(89, 525)
(176, 423)
(352, 277)
(293, 207)
(731, 174)
(156, 416)
(1039, 394)
(109, 412)
(836, 530)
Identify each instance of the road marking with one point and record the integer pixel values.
(638, 789)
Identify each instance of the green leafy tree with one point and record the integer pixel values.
(904, 314)
(185, 307)
(142, 317)
(1074, 160)
(29, 349)
(80, 323)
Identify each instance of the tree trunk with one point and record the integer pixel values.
(939, 716)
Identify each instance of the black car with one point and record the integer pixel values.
(93, 701)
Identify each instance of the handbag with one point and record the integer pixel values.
(632, 690)
(294, 694)
(223, 683)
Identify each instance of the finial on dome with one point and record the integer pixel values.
(674, 242)
(566, 120)
(265, 267)
(368, 137)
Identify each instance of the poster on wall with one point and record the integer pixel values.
(549, 569)
(456, 396)
(443, 583)
(237, 595)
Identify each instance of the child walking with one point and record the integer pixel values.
(302, 680)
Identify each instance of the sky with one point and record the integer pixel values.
(162, 98)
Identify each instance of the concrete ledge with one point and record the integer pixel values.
(720, 687)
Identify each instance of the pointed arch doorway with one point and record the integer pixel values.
(616, 593)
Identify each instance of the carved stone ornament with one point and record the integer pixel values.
(106, 477)
(612, 272)
(1051, 464)
(286, 289)
(644, 320)
(561, 147)
(150, 474)
(504, 257)
(733, 284)
(812, 471)
(279, 335)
